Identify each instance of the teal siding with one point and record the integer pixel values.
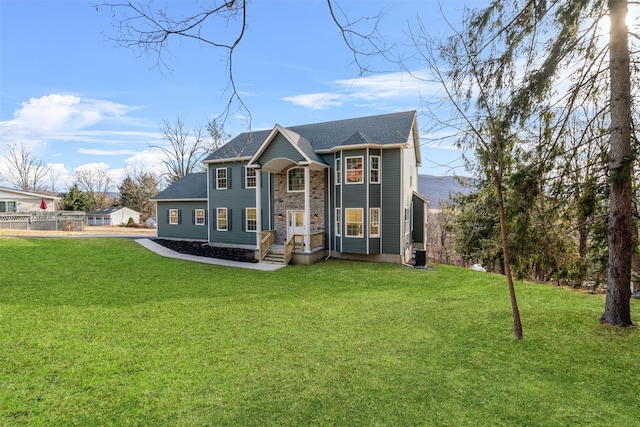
(355, 196)
(374, 245)
(186, 229)
(418, 220)
(391, 220)
(280, 147)
(235, 199)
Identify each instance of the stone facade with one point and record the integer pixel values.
(294, 201)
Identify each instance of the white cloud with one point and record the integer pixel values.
(98, 152)
(58, 112)
(396, 86)
(316, 101)
(70, 118)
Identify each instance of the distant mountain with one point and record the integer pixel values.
(438, 188)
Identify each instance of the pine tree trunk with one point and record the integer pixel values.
(517, 323)
(620, 227)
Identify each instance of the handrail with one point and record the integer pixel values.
(266, 240)
(288, 249)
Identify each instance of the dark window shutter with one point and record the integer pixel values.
(244, 220)
(179, 216)
(168, 216)
(205, 217)
(243, 177)
(229, 178)
(229, 219)
(214, 216)
(193, 216)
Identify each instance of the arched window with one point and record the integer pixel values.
(295, 179)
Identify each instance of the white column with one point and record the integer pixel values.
(307, 209)
(258, 207)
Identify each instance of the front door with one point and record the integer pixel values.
(295, 223)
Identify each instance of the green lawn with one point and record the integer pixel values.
(103, 332)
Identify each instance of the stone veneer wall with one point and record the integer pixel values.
(285, 201)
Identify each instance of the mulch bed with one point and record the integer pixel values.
(205, 250)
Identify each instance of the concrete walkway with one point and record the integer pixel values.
(165, 252)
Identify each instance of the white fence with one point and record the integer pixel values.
(46, 220)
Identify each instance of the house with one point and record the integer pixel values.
(17, 201)
(112, 215)
(25, 210)
(346, 189)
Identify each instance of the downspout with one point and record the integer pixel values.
(329, 209)
(208, 215)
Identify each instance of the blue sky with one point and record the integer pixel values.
(76, 100)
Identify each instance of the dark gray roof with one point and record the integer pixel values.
(383, 129)
(191, 186)
(106, 211)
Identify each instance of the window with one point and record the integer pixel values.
(374, 169)
(338, 221)
(8, 206)
(338, 172)
(250, 178)
(221, 178)
(354, 222)
(295, 179)
(374, 222)
(251, 219)
(222, 220)
(199, 218)
(174, 216)
(354, 170)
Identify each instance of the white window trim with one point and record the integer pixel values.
(346, 170)
(338, 221)
(226, 218)
(371, 169)
(246, 220)
(371, 210)
(346, 223)
(226, 179)
(288, 187)
(203, 217)
(177, 216)
(246, 178)
(6, 206)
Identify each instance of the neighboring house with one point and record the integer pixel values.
(113, 215)
(17, 201)
(347, 189)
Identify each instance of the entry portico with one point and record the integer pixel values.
(299, 177)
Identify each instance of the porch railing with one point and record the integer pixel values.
(288, 249)
(316, 240)
(266, 240)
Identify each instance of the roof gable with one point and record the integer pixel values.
(282, 147)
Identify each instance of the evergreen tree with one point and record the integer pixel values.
(76, 200)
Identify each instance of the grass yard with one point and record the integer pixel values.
(100, 331)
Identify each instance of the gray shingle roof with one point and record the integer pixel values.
(383, 129)
(106, 211)
(191, 186)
